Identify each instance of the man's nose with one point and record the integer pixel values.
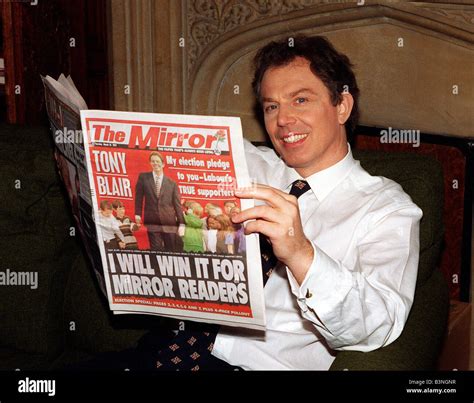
(285, 116)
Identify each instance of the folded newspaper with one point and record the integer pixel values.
(152, 196)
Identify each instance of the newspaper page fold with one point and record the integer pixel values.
(63, 103)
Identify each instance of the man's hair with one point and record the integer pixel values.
(157, 154)
(334, 69)
(105, 205)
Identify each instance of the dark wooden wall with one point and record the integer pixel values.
(37, 40)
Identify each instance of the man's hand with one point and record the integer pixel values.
(122, 244)
(280, 221)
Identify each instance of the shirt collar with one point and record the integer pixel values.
(323, 182)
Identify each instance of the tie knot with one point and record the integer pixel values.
(299, 187)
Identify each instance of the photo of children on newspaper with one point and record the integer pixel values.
(211, 230)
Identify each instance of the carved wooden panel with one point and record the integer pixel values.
(196, 43)
(207, 20)
(432, 66)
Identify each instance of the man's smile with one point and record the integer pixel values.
(294, 138)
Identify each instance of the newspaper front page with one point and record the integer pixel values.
(162, 190)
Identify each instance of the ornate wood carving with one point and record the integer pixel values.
(462, 16)
(207, 20)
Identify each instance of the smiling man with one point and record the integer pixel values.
(347, 243)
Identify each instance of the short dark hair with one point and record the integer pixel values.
(334, 69)
(156, 153)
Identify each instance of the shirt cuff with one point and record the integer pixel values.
(322, 290)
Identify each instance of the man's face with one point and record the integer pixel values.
(304, 126)
(156, 164)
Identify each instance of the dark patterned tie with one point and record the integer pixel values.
(269, 260)
(190, 349)
(193, 345)
(299, 187)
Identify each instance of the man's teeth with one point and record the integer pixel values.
(293, 138)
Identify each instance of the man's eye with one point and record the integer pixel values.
(269, 108)
(301, 100)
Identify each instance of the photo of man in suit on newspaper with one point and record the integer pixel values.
(157, 196)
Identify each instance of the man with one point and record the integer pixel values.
(348, 247)
(158, 196)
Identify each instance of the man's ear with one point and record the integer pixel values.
(345, 107)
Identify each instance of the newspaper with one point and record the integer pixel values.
(63, 105)
(158, 193)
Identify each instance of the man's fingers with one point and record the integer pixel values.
(262, 212)
(273, 197)
(283, 194)
(266, 228)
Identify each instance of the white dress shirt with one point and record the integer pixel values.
(359, 288)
